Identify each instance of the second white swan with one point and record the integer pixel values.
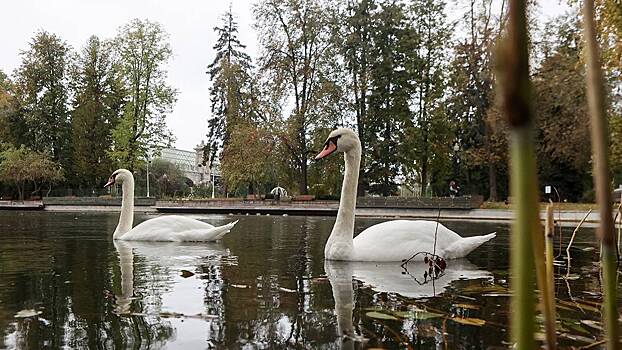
(388, 241)
(171, 228)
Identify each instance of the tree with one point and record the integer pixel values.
(472, 96)
(298, 52)
(9, 127)
(143, 51)
(562, 119)
(41, 84)
(429, 132)
(97, 104)
(231, 93)
(357, 55)
(22, 165)
(247, 160)
(169, 179)
(390, 90)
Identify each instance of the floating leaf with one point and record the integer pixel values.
(592, 324)
(572, 277)
(580, 306)
(469, 321)
(416, 315)
(239, 286)
(484, 289)
(186, 273)
(467, 306)
(381, 316)
(27, 313)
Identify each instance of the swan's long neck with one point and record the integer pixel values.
(344, 225)
(126, 220)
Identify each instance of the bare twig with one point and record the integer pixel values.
(434, 256)
(572, 240)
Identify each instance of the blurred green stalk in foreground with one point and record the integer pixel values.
(600, 144)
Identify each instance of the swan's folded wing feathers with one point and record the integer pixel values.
(399, 239)
(176, 228)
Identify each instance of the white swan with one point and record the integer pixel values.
(172, 228)
(388, 241)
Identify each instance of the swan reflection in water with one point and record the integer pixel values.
(163, 261)
(152, 285)
(389, 278)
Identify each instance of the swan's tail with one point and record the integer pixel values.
(224, 229)
(466, 245)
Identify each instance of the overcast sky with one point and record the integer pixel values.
(189, 24)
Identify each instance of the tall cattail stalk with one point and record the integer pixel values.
(527, 240)
(549, 299)
(600, 143)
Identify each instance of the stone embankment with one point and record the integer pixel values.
(459, 208)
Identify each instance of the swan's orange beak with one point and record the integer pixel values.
(328, 149)
(110, 182)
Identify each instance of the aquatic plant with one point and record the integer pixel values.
(600, 143)
(527, 241)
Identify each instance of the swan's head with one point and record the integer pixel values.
(340, 140)
(118, 177)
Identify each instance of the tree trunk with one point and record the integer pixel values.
(424, 175)
(492, 182)
(303, 180)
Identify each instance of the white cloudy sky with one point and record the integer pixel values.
(189, 24)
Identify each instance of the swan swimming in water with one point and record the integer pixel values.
(388, 241)
(172, 228)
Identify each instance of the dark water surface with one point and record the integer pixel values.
(265, 286)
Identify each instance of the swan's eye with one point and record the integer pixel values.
(332, 140)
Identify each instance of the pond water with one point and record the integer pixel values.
(265, 286)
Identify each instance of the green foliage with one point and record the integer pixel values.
(143, 51)
(429, 133)
(97, 103)
(9, 126)
(231, 93)
(21, 165)
(41, 84)
(298, 58)
(166, 180)
(248, 158)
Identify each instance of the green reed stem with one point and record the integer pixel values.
(549, 297)
(600, 144)
(523, 184)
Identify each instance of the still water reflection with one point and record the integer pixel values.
(265, 286)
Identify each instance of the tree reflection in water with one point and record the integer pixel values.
(265, 286)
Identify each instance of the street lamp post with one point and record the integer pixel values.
(148, 162)
(213, 178)
(456, 160)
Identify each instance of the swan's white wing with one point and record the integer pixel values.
(177, 229)
(400, 239)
